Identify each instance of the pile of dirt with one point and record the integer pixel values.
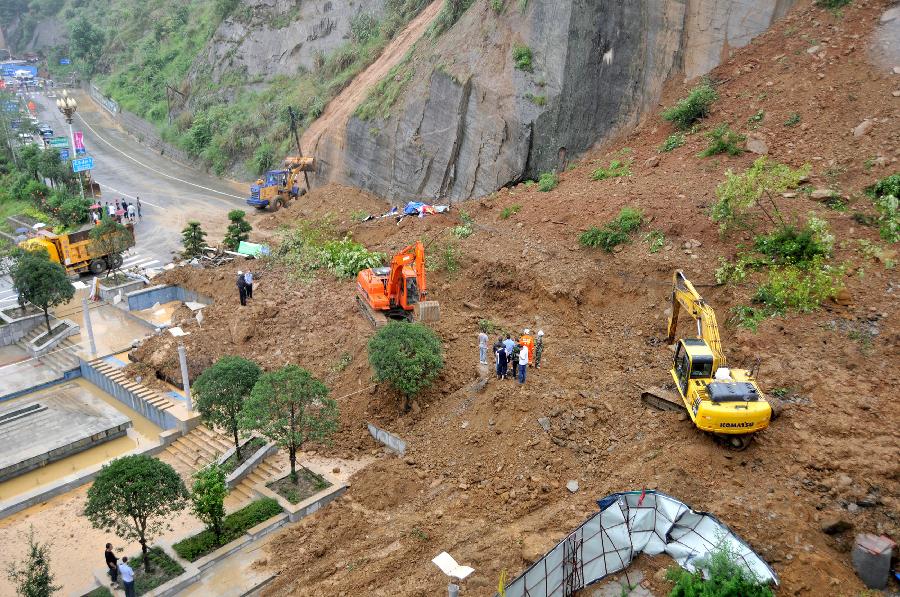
(487, 466)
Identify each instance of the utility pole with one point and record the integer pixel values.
(87, 323)
(185, 379)
(294, 119)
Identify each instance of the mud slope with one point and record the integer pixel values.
(468, 121)
(482, 479)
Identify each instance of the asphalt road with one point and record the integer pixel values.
(171, 193)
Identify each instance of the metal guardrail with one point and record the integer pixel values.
(111, 105)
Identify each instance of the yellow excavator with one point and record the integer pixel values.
(725, 402)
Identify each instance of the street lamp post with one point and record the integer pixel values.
(67, 105)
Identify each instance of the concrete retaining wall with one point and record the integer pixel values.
(42, 344)
(141, 130)
(251, 463)
(159, 417)
(163, 293)
(108, 294)
(388, 439)
(310, 505)
(14, 329)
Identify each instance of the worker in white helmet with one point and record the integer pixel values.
(538, 349)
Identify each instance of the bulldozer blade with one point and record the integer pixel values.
(661, 399)
(376, 319)
(428, 311)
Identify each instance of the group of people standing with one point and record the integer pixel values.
(245, 286)
(513, 357)
(120, 570)
(119, 211)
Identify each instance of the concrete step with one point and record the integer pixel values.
(178, 458)
(198, 445)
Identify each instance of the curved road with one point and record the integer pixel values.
(171, 193)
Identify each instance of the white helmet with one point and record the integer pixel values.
(240, 272)
(540, 332)
(527, 331)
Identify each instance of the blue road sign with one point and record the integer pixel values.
(82, 164)
(65, 61)
(80, 151)
(64, 155)
(11, 106)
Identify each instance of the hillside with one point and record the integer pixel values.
(482, 479)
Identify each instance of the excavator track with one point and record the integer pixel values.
(738, 443)
(376, 319)
(661, 399)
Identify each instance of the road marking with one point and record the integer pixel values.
(136, 161)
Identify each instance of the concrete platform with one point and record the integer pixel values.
(62, 421)
(18, 371)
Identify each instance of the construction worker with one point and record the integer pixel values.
(514, 359)
(248, 284)
(500, 358)
(524, 354)
(482, 346)
(538, 349)
(242, 288)
(528, 340)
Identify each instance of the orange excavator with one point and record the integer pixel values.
(398, 290)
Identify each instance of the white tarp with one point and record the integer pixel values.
(628, 524)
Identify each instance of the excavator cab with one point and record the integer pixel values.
(693, 360)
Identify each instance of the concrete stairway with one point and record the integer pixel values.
(61, 358)
(265, 472)
(154, 397)
(195, 450)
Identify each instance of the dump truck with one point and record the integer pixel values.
(78, 252)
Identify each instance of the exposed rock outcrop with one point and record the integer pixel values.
(267, 38)
(469, 122)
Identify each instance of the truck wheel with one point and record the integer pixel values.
(114, 261)
(97, 267)
(276, 205)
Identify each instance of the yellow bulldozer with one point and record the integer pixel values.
(723, 401)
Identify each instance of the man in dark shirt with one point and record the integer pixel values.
(242, 288)
(111, 560)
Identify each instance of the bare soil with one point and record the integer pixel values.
(482, 479)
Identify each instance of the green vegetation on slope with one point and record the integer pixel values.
(148, 57)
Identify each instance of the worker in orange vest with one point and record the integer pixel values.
(528, 340)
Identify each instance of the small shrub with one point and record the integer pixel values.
(885, 194)
(614, 233)
(874, 251)
(444, 260)
(656, 240)
(537, 100)
(522, 57)
(792, 120)
(616, 169)
(497, 6)
(346, 257)
(725, 577)
(509, 211)
(692, 108)
(447, 17)
(756, 118)
(359, 215)
(832, 4)
(748, 317)
(673, 141)
(548, 181)
(464, 229)
(723, 140)
(889, 185)
(799, 289)
(263, 158)
(788, 245)
(233, 526)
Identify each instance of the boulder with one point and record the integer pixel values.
(820, 194)
(757, 145)
(863, 127)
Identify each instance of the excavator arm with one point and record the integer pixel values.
(685, 295)
(414, 255)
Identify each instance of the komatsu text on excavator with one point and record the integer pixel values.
(725, 402)
(397, 291)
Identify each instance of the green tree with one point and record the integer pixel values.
(41, 282)
(112, 239)
(208, 497)
(220, 391)
(193, 240)
(134, 497)
(238, 230)
(290, 406)
(33, 577)
(406, 355)
(86, 43)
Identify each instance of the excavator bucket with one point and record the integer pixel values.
(302, 163)
(428, 311)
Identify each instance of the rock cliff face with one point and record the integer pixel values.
(469, 122)
(267, 38)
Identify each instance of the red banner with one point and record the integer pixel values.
(79, 140)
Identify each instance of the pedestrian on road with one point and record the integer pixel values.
(523, 363)
(242, 288)
(248, 281)
(131, 212)
(127, 577)
(118, 205)
(528, 340)
(110, 208)
(482, 345)
(137, 202)
(538, 349)
(112, 564)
